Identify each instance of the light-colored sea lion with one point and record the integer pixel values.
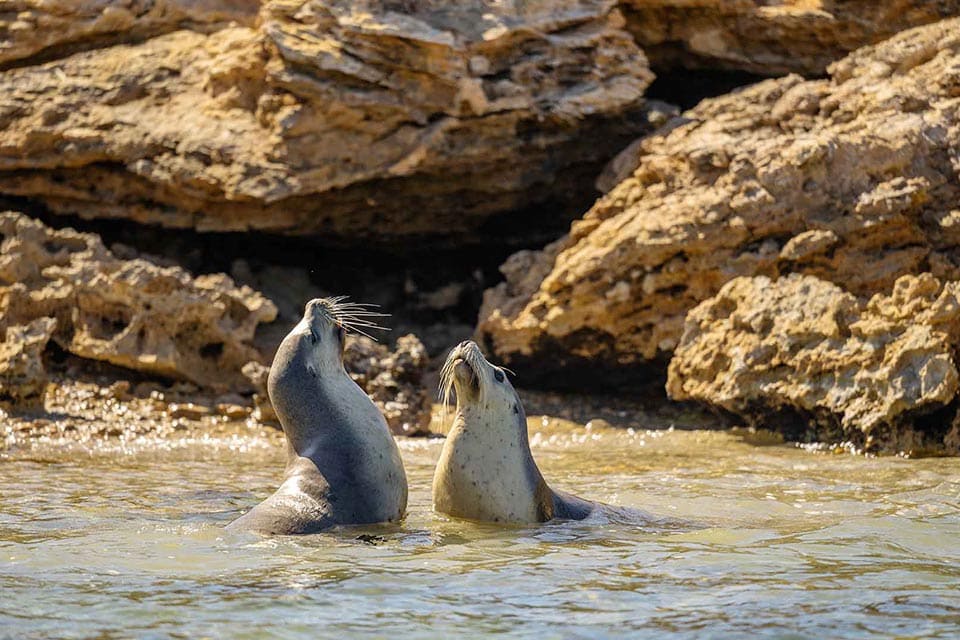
(486, 470)
(343, 466)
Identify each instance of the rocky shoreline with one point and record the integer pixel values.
(785, 254)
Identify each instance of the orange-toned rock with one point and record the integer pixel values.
(854, 179)
(53, 28)
(802, 355)
(338, 119)
(23, 379)
(131, 313)
(770, 38)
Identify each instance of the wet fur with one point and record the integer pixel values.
(343, 465)
(486, 470)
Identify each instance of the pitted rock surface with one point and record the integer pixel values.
(854, 179)
(803, 348)
(340, 120)
(131, 313)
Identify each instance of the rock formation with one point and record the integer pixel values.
(770, 38)
(393, 380)
(32, 29)
(23, 379)
(800, 354)
(131, 313)
(854, 179)
(341, 119)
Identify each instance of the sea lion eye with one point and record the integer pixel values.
(313, 336)
(498, 375)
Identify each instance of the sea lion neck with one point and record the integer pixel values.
(302, 385)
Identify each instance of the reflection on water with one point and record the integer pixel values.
(783, 543)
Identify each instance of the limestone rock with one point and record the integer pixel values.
(53, 28)
(23, 379)
(340, 119)
(854, 179)
(257, 373)
(770, 38)
(131, 313)
(392, 379)
(800, 347)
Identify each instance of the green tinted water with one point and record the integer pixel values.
(127, 542)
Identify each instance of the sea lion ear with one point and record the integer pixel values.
(314, 338)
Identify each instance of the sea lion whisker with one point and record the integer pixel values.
(372, 316)
(358, 310)
(357, 305)
(363, 333)
(367, 325)
(362, 479)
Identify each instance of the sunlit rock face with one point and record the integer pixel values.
(804, 351)
(133, 313)
(770, 38)
(33, 30)
(854, 179)
(345, 120)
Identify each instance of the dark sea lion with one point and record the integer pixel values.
(343, 465)
(486, 470)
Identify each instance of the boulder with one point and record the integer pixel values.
(770, 38)
(393, 380)
(854, 179)
(132, 313)
(336, 119)
(23, 378)
(802, 355)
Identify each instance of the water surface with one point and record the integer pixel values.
(127, 541)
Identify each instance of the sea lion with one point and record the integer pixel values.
(343, 466)
(486, 470)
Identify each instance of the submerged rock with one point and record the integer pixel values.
(854, 179)
(770, 38)
(131, 313)
(341, 119)
(803, 356)
(23, 379)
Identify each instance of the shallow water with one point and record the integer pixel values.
(126, 541)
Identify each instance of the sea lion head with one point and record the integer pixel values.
(479, 384)
(325, 324)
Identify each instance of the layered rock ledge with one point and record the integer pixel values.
(770, 38)
(48, 29)
(337, 119)
(803, 356)
(854, 179)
